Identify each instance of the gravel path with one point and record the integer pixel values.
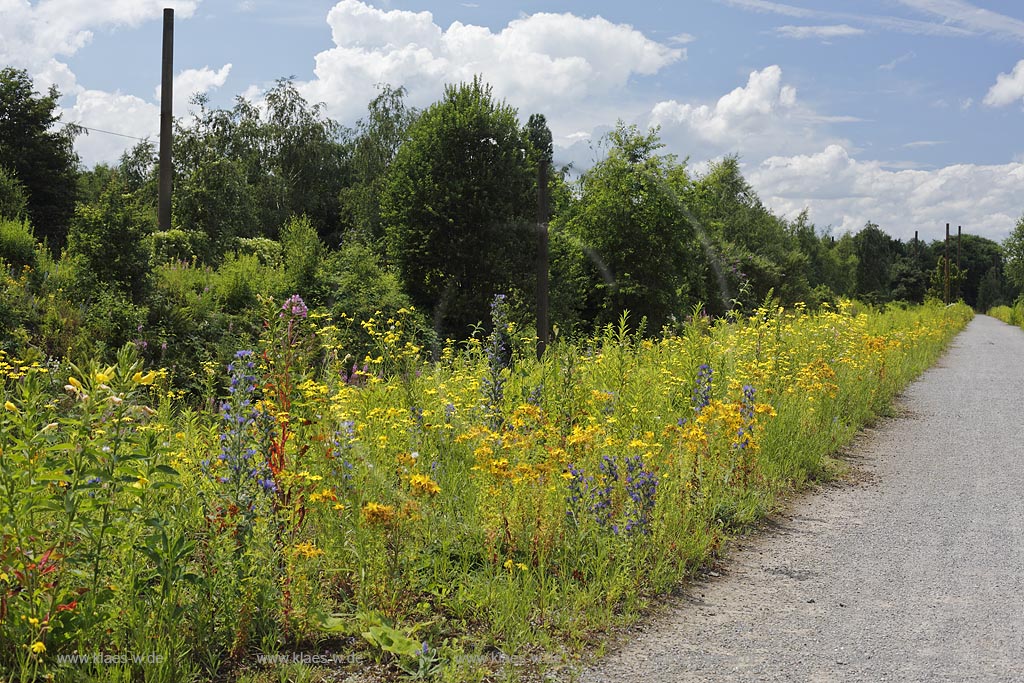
(915, 573)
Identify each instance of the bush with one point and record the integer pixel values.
(13, 200)
(17, 243)
(179, 245)
(302, 254)
(110, 236)
(268, 251)
(242, 278)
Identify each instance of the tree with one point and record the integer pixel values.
(632, 226)
(13, 201)
(1013, 248)
(109, 236)
(243, 172)
(39, 153)
(458, 207)
(749, 250)
(875, 255)
(378, 137)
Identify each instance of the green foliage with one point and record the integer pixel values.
(13, 200)
(991, 290)
(215, 198)
(749, 251)
(909, 281)
(179, 245)
(302, 252)
(241, 279)
(92, 182)
(39, 153)
(300, 502)
(243, 172)
(938, 281)
(17, 243)
(268, 251)
(875, 255)
(1013, 247)
(356, 286)
(458, 207)
(110, 236)
(378, 138)
(634, 230)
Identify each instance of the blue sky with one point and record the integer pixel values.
(903, 112)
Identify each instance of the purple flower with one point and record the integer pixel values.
(295, 307)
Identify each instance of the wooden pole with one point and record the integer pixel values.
(946, 263)
(958, 278)
(166, 120)
(543, 338)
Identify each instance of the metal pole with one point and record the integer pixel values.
(946, 263)
(543, 337)
(166, 119)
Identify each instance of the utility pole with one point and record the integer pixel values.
(958, 274)
(543, 337)
(946, 263)
(166, 119)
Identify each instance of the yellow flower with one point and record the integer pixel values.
(375, 513)
(38, 647)
(32, 621)
(307, 550)
(146, 379)
(75, 383)
(422, 484)
(12, 408)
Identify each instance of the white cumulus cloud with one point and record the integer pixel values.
(194, 82)
(541, 62)
(758, 119)
(845, 193)
(39, 36)
(1008, 88)
(116, 112)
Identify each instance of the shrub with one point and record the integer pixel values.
(17, 243)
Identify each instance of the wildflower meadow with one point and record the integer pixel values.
(427, 513)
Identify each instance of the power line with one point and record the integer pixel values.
(110, 132)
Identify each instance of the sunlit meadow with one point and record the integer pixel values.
(415, 518)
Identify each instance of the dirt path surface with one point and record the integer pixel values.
(915, 573)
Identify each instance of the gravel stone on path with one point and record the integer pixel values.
(914, 573)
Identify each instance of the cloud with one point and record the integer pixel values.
(924, 143)
(126, 115)
(887, 23)
(39, 37)
(905, 57)
(1008, 88)
(760, 118)
(821, 32)
(682, 39)
(545, 61)
(970, 17)
(36, 36)
(846, 193)
(191, 82)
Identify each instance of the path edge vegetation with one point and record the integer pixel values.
(482, 517)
